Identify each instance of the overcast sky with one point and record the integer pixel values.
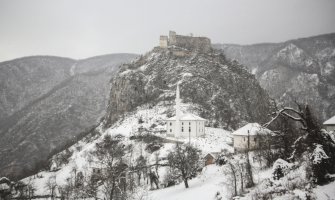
(85, 28)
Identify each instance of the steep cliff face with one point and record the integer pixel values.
(55, 101)
(219, 90)
(301, 70)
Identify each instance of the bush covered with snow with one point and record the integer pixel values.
(280, 168)
(293, 185)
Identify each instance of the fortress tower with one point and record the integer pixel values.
(163, 41)
(172, 38)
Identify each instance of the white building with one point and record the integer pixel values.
(250, 136)
(184, 125)
(330, 124)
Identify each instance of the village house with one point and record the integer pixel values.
(250, 136)
(210, 158)
(184, 124)
(329, 125)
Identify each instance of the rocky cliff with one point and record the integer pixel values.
(46, 103)
(301, 70)
(221, 91)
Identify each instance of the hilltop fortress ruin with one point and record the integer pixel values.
(202, 44)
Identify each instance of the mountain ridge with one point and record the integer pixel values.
(299, 69)
(55, 111)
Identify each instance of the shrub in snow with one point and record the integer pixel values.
(221, 160)
(280, 169)
(294, 185)
(153, 146)
(318, 155)
(171, 178)
(319, 164)
(218, 196)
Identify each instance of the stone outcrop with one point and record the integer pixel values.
(221, 90)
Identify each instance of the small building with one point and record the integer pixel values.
(190, 125)
(209, 159)
(184, 124)
(330, 124)
(250, 137)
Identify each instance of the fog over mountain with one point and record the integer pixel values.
(84, 28)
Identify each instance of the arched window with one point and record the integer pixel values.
(182, 129)
(189, 129)
(170, 130)
(170, 123)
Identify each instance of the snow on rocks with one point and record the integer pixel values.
(282, 165)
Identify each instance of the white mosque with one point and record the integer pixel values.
(184, 124)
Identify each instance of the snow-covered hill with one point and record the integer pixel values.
(81, 159)
(221, 90)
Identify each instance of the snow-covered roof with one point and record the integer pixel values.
(4, 186)
(330, 121)
(252, 129)
(187, 117)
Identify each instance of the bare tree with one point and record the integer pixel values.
(230, 169)
(51, 185)
(185, 159)
(109, 155)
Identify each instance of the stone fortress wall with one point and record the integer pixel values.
(202, 44)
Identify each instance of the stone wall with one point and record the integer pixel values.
(202, 44)
(163, 41)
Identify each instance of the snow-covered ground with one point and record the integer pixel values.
(205, 186)
(215, 140)
(325, 192)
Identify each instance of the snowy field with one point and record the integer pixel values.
(325, 192)
(205, 186)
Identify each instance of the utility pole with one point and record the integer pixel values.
(189, 136)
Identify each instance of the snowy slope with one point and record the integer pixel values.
(205, 186)
(82, 161)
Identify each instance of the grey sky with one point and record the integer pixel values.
(85, 28)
